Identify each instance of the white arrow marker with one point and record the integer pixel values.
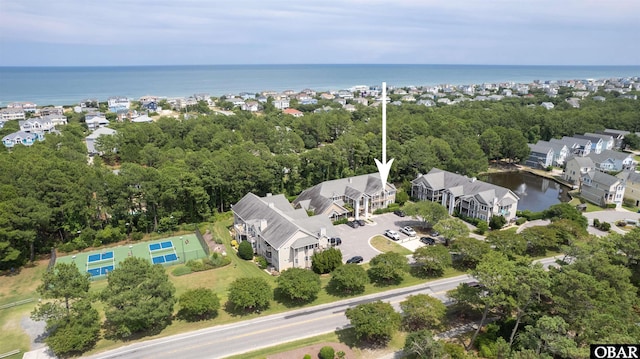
(384, 167)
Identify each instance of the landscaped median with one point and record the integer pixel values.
(384, 245)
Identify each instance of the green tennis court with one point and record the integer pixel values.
(166, 251)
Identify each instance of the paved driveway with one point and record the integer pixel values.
(355, 241)
(611, 216)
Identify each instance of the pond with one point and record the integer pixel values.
(536, 193)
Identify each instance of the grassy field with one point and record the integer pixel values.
(13, 288)
(385, 245)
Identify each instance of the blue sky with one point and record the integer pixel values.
(161, 32)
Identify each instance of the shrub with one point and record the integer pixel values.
(596, 223)
(195, 265)
(137, 236)
(393, 206)
(217, 260)
(341, 221)
(482, 227)
(622, 223)
(327, 352)
(605, 226)
(182, 270)
(67, 247)
(521, 221)
(307, 356)
(218, 240)
(245, 250)
(497, 222)
(234, 243)
(341, 354)
(198, 304)
(262, 262)
(611, 205)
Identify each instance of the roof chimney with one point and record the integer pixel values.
(270, 204)
(323, 232)
(350, 180)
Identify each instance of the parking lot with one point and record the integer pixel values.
(355, 241)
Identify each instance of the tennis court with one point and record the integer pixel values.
(166, 251)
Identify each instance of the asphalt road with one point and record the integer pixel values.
(231, 339)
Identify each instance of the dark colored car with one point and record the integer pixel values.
(335, 241)
(399, 213)
(355, 260)
(428, 241)
(361, 222)
(353, 224)
(475, 284)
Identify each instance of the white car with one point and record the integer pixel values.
(408, 231)
(392, 234)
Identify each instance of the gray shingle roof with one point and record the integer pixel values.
(320, 197)
(282, 220)
(608, 154)
(464, 186)
(602, 178)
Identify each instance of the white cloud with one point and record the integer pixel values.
(335, 31)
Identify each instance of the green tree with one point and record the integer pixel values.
(64, 283)
(250, 294)
(73, 323)
(76, 333)
(138, 298)
(510, 244)
(198, 304)
(432, 260)
(469, 252)
(245, 250)
(299, 284)
(631, 141)
(374, 322)
(349, 278)
(388, 268)
(565, 211)
(326, 261)
(451, 229)
(422, 311)
(549, 337)
(422, 345)
(430, 212)
(491, 144)
(532, 285)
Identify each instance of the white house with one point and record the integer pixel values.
(286, 237)
(468, 196)
(90, 140)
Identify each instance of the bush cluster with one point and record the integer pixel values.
(529, 215)
(603, 226)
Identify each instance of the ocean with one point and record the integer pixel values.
(69, 85)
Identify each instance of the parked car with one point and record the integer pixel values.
(335, 241)
(392, 234)
(408, 231)
(399, 213)
(434, 233)
(475, 284)
(428, 241)
(361, 222)
(355, 260)
(353, 224)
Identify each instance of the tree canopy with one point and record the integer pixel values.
(138, 298)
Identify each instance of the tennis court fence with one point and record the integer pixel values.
(203, 243)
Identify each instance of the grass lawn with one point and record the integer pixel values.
(19, 286)
(385, 245)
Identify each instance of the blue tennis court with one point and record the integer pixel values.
(161, 245)
(94, 272)
(165, 258)
(99, 257)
